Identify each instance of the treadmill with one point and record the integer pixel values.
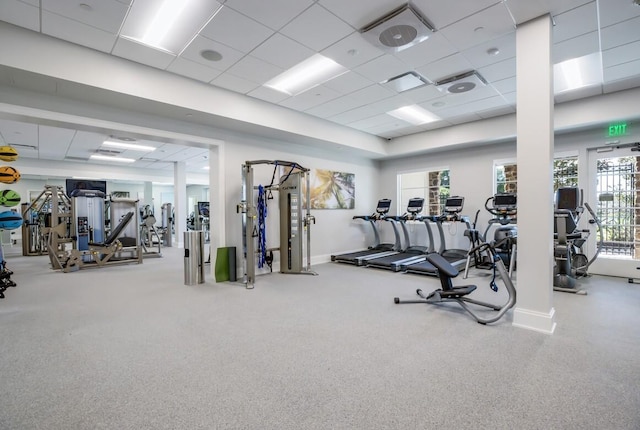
(412, 254)
(378, 249)
(456, 257)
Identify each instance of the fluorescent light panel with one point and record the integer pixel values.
(168, 25)
(310, 73)
(414, 114)
(577, 73)
(132, 146)
(110, 158)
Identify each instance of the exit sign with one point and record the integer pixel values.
(618, 129)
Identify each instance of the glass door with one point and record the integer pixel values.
(615, 197)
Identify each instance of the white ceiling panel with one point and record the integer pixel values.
(313, 97)
(77, 32)
(193, 70)
(352, 51)
(482, 55)
(273, 13)
(348, 83)
(317, 28)
(133, 51)
(576, 22)
(20, 14)
(422, 94)
(576, 47)
(621, 54)
(615, 11)
(486, 25)
(442, 13)
(524, 10)
(464, 118)
(267, 94)
(374, 121)
(428, 51)
(230, 56)
(255, 70)
(15, 132)
(382, 68)
(359, 13)
(353, 115)
(234, 83)
(499, 71)
(506, 110)
(233, 29)
(621, 85)
(281, 51)
(449, 66)
(505, 86)
(621, 34)
(622, 71)
(54, 142)
(106, 15)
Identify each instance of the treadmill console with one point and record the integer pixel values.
(383, 206)
(454, 205)
(415, 205)
(505, 202)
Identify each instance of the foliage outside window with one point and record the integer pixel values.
(565, 172)
(433, 186)
(506, 178)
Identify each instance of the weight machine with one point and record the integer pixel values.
(38, 218)
(149, 237)
(295, 222)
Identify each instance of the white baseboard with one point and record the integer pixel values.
(533, 320)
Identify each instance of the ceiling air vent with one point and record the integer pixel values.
(461, 83)
(406, 81)
(398, 30)
(108, 151)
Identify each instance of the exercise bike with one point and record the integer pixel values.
(459, 294)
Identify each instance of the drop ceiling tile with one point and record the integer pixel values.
(463, 118)
(15, 132)
(32, 2)
(374, 122)
(486, 25)
(77, 32)
(233, 29)
(525, 10)
(442, 13)
(505, 86)
(311, 98)
(359, 13)
(133, 51)
(621, 85)
(106, 15)
(616, 11)
(317, 28)
(576, 47)
(449, 66)
(21, 14)
(348, 83)
(230, 56)
(268, 94)
(353, 115)
(382, 68)
(352, 51)
(500, 111)
(479, 55)
(193, 70)
(273, 13)
(422, 94)
(234, 83)
(576, 22)
(255, 70)
(54, 142)
(498, 71)
(281, 51)
(621, 71)
(428, 51)
(621, 34)
(621, 54)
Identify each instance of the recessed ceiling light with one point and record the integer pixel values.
(111, 158)
(168, 25)
(85, 6)
(414, 114)
(131, 146)
(308, 74)
(493, 51)
(211, 55)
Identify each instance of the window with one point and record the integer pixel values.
(565, 172)
(617, 191)
(506, 175)
(431, 185)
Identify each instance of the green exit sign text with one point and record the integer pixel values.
(618, 129)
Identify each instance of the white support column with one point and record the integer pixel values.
(180, 201)
(217, 202)
(534, 70)
(148, 194)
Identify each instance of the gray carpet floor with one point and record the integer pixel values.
(132, 347)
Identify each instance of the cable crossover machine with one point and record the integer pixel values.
(295, 221)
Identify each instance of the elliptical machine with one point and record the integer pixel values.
(571, 262)
(504, 208)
